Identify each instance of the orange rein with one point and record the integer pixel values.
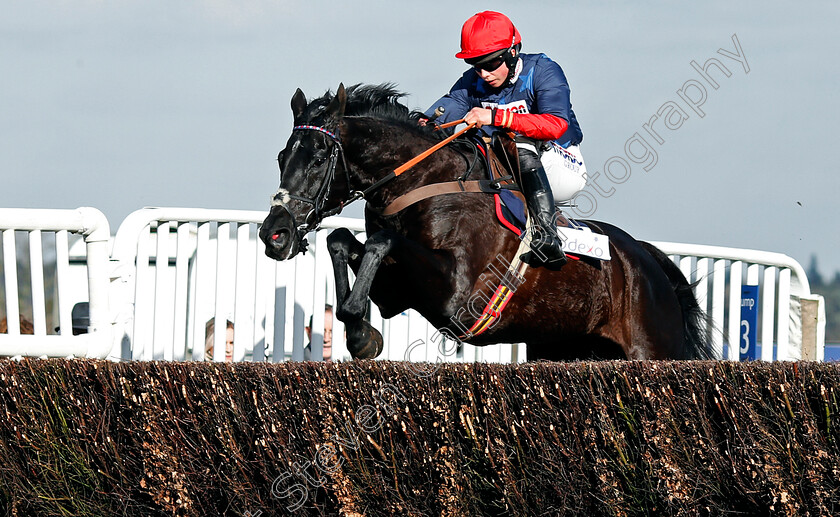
(449, 124)
(425, 154)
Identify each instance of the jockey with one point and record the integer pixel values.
(527, 94)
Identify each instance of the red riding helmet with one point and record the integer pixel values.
(487, 32)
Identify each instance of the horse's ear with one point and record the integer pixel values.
(338, 103)
(298, 104)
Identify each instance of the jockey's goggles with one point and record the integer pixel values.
(490, 65)
(489, 62)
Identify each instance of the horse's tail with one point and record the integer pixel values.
(696, 323)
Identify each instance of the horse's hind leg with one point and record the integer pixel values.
(363, 340)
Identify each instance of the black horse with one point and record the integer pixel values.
(444, 255)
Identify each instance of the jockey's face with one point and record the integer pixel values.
(492, 74)
(494, 78)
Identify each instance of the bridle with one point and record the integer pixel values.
(317, 213)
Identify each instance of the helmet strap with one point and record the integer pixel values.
(511, 58)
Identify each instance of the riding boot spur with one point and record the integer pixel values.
(546, 247)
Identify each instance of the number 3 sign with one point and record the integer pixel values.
(749, 322)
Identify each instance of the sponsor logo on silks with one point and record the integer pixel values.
(571, 162)
(514, 107)
(585, 242)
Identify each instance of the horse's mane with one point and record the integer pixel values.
(380, 101)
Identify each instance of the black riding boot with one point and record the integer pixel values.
(546, 247)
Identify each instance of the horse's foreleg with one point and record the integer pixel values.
(377, 247)
(343, 247)
(345, 250)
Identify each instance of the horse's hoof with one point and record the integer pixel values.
(364, 341)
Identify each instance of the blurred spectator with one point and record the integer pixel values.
(328, 325)
(210, 339)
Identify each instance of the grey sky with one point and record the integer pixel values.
(120, 105)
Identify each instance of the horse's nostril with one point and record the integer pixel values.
(280, 239)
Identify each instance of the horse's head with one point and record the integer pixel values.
(312, 159)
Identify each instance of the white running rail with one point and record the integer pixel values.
(719, 273)
(173, 270)
(33, 224)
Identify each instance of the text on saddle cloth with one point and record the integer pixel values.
(579, 239)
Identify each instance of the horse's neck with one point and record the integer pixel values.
(375, 158)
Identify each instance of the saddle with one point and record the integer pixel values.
(503, 149)
(578, 238)
(503, 156)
